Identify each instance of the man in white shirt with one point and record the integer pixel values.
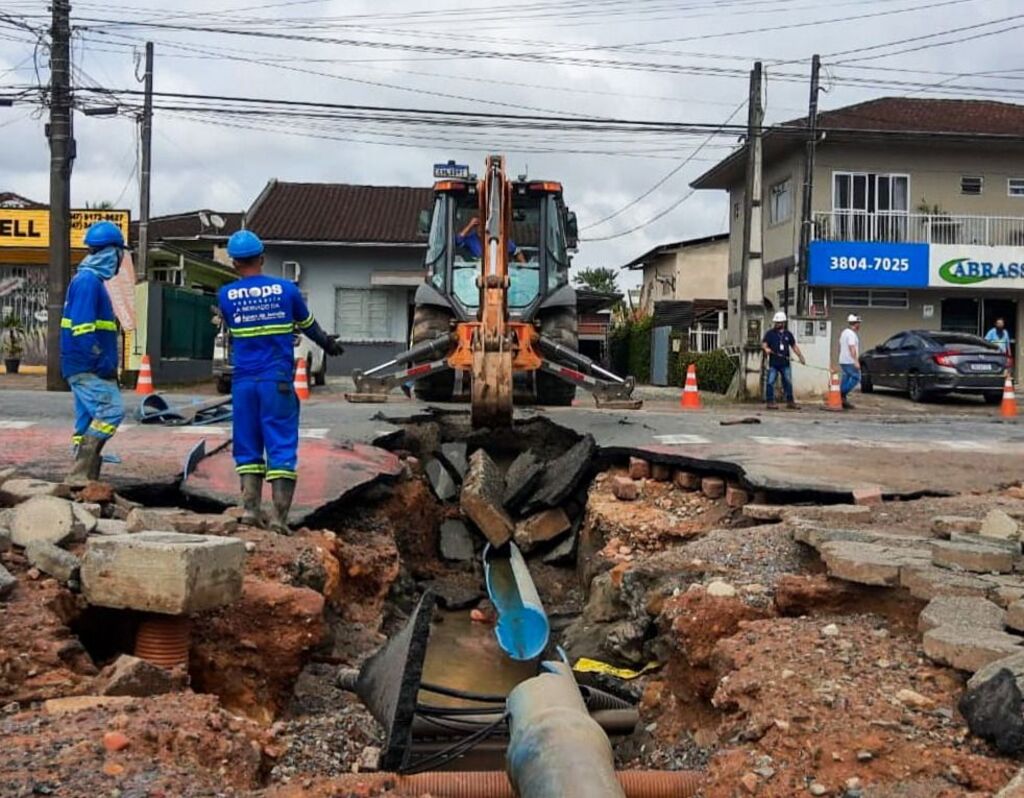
(849, 358)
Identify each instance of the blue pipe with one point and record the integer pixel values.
(522, 629)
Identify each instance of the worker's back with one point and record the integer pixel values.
(261, 313)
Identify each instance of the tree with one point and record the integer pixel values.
(600, 279)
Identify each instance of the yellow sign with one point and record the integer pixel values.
(30, 227)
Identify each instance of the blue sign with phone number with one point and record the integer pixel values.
(868, 264)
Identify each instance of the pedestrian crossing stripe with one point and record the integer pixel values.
(768, 440)
(681, 440)
(16, 424)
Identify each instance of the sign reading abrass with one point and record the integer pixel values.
(30, 227)
(964, 266)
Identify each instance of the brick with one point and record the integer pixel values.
(541, 527)
(763, 512)
(625, 489)
(164, 572)
(970, 611)
(1015, 616)
(661, 472)
(639, 468)
(736, 497)
(53, 560)
(713, 487)
(45, 518)
(978, 559)
(969, 649)
(687, 480)
(482, 499)
(945, 525)
(868, 495)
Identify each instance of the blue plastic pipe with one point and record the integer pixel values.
(522, 629)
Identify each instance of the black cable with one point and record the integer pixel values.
(451, 753)
(452, 692)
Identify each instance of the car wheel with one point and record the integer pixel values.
(866, 385)
(915, 388)
(994, 398)
(223, 384)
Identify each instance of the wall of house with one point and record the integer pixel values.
(702, 271)
(654, 290)
(328, 270)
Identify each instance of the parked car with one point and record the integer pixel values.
(314, 355)
(929, 363)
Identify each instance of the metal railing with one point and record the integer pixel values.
(704, 339)
(925, 228)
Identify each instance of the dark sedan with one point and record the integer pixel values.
(928, 363)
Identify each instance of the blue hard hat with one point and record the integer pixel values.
(244, 244)
(104, 234)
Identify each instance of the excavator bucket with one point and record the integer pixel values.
(491, 404)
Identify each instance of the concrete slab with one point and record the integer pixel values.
(869, 563)
(968, 649)
(329, 471)
(163, 572)
(542, 527)
(18, 490)
(482, 499)
(998, 524)
(456, 541)
(521, 479)
(972, 557)
(562, 476)
(971, 611)
(1009, 545)
(927, 581)
(43, 518)
(455, 456)
(53, 560)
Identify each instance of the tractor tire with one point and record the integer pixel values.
(428, 322)
(560, 325)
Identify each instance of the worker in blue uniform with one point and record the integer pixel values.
(88, 351)
(261, 313)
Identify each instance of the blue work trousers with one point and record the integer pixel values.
(774, 372)
(265, 419)
(98, 406)
(851, 378)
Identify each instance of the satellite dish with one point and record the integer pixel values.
(204, 220)
(217, 221)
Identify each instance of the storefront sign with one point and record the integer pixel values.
(966, 266)
(30, 227)
(868, 264)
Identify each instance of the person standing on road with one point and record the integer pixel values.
(88, 351)
(849, 358)
(999, 336)
(261, 314)
(777, 344)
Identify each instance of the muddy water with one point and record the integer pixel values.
(465, 655)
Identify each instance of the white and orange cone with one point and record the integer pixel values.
(144, 385)
(301, 380)
(1008, 409)
(835, 398)
(690, 400)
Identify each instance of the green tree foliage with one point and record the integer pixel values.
(600, 279)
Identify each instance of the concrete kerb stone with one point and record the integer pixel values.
(151, 519)
(972, 557)
(969, 649)
(53, 560)
(111, 526)
(163, 572)
(482, 499)
(869, 563)
(829, 512)
(44, 517)
(971, 611)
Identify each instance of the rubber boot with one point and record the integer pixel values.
(88, 451)
(96, 460)
(282, 492)
(252, 498)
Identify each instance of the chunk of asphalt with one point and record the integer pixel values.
(562, 475)
(53, 560)
(540, 528)
(992, 710)
(564, 551)
(7, 582)
(455, 456)
(521, 479)
(442, 483)
(481, 499)
(456, 541)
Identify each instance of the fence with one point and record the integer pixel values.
(186, 331)
(704, 339)
(23, 293)
(941, 228)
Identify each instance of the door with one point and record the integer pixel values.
(850, 205)
(892, 203)
(960, 314)
(881, 366)
(659, 355)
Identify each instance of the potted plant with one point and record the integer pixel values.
(12, 336)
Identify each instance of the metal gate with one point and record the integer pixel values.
(23, 293)
(660, 348)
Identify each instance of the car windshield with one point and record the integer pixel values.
(944, 340)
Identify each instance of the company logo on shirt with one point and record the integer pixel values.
(256, 292)
(964, 271)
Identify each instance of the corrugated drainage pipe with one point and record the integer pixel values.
(495, 784)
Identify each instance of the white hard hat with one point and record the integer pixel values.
(779, 316)
(853, 318)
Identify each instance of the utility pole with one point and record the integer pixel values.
(751, 304)
(62, 153)
(806, 209)
(147, 143)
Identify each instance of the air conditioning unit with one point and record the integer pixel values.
(291, 270)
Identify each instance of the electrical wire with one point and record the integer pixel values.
(449, 754)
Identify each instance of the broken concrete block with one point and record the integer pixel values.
(686, 480)
(997, 524)
(165, 572)
(736, 497)
(993, 711)
(1014, 663)
(16, 491)
(111, 526)
(771, 513)
(562, 476)
(945, 525)
(868, 495)
(563, 552)
(482, 497)
(926, 581)
(713, 487)
(1011, 545)
(976, 558)
(455, 456)
(869, 563)
(969, 649)
(7, 582)
(661, 472)
(42, 518)
(53, 560)
(441, 482)
(150, 519)
(625, 489)
(521, 479)
(132, 676)
(971, 611)
(1015, 616)
(639, 468)
(456, 541)
(541, 527)
(85, 522)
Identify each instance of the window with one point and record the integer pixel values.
(362, 314)
(290, 270)
(1015, 186)
(868, 206)
(780, 201)
(870, 298)
(971, 186)
(786, 298)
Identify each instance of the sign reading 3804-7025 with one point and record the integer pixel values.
(967, 266)
(868, 264)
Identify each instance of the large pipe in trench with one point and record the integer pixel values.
(522, 628)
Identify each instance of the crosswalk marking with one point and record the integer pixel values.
(769, 440)
(967, 446)
(316, 433)
(202, 430)
(679, 440)
(16, 424)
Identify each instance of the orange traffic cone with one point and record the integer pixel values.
(145, 382)
(1009, 406)
(835, 399)
(690, 400)
(301, 379)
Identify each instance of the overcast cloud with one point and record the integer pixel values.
(205, 165)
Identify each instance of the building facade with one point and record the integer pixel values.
(690, 270)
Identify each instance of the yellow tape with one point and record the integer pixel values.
(584, 665)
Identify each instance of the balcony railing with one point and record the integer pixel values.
(925, 228)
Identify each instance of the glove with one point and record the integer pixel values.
(333, 348)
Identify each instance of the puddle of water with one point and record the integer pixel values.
(465, 656)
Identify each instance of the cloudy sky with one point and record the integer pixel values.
(660, 60)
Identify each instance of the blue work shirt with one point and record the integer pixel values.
(780, 342)
(471, 241)
(1000, 338)
(261, 313)
(88, 329)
